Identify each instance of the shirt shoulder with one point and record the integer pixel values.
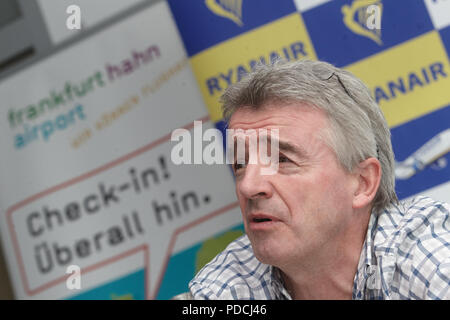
(425, 219)
(410, 219)
(419, 236)
(235, 273)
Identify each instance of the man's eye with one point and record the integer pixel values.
(238, 166)
(282, 159)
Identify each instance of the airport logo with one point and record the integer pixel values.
(229, 9)
(363, 18)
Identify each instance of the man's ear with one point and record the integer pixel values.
(368, 174)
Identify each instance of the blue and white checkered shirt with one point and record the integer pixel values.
(406, 255)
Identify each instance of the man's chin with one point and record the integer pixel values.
(266, 251)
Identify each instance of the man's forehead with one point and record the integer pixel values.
(246, 115)
(299, 126)
(274, 115)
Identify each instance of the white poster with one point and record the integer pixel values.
(86, 177)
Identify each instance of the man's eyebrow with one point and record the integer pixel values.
(289, 147)
(284, 146)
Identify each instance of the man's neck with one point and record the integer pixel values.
(330, 273)
(323, 284)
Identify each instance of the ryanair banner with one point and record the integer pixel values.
(400, 49)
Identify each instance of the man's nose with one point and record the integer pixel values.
(253, 184)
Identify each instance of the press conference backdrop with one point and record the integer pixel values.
(86, 177)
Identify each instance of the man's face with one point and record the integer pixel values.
(304, 207)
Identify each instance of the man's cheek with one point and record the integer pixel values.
(242, 205)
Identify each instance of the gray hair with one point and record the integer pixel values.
(358, 129)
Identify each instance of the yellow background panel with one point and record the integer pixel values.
(222, 64)
(410, 62)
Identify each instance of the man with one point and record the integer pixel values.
(327, 224)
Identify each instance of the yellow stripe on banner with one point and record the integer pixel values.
(227, 62)
(409, 80)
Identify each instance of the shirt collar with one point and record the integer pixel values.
(367, 262)
(376, 266)
(277, 283)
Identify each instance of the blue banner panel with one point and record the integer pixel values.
(205, 23)
(342, 32)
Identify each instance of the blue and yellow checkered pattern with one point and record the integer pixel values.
(405, 63)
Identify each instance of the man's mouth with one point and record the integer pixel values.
(261, 220)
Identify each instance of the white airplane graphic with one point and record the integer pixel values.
(434, 149)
